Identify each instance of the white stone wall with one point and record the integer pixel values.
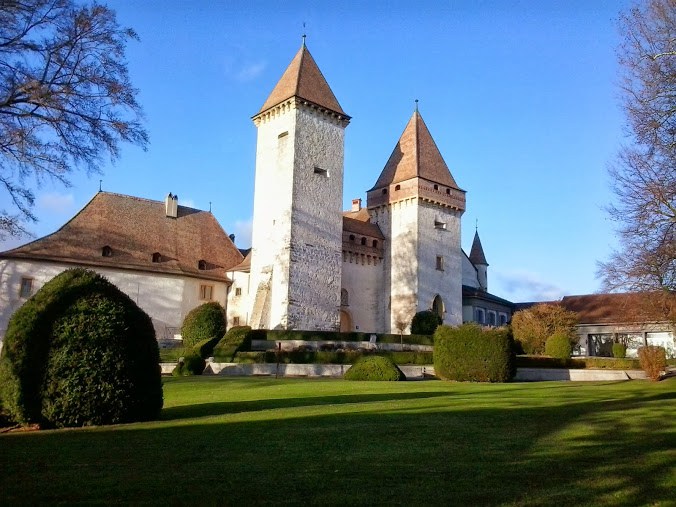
(364, 285)
(469, 273)
(443, 242)
(239, 305)
(297, 228)
(165, 298)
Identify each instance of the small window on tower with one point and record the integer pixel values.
(363, 241)
(157, 257)
(235, 321)
(321, 172)
(384, 191)
(106, 251)
(448, 191)
(26, 288)
(436, 187)
(440, 262)
(351, 237)
(439, 225)
(206, 292)
(398, 187)
(375, 243)
(238, 291)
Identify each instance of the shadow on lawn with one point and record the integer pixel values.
(617, 448)
(234, 407)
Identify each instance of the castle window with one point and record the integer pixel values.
(384, 191)
(363, 241)
(206, 292)
(480, 315)
(26, 288)
(436, 187)
(344, 297)
(202, 265)
(283, 134)
(439, 225)
(157, 257)
(321, 172)
(448, 191)
(235, 321)
(492, 321)
(238, 291)
(375, 243)
(351, 237)
(503, 319)
(440, 262)
(398, 187)
(106, 251)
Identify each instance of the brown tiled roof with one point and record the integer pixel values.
(620, 308)
(476, 254)
(416, 155)
(304, 80)
(358, 222)
(135, 229)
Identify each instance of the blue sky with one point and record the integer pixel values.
(521, 98)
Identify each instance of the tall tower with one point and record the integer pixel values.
(477, 257)
(418, 206)
(297, 222)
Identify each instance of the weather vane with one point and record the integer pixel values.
(304, 36)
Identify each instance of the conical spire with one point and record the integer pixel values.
(416, 156)
(476, 254)
(304, 80)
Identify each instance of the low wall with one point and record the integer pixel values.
(316, 345)
(536, 374)
(304, 370)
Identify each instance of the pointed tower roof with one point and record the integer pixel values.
(303, 79)
(416, 156)
(476, 254)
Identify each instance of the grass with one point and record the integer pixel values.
(291, 441)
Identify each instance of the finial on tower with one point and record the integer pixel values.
(476, 225)
(304, 36)
(100, 183)
(416, 105)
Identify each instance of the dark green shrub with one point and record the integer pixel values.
(619, 350)
(237, 339)
(203, 322)
(425, 322)
(471, 353)
(80, 352)
(374, 368)
(205, 348)
(191, 364)
(653, 360)
(558, 345)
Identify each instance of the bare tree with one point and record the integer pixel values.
(644, 173)
(66, 100)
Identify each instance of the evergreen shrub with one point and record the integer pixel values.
(203, 322)
(472, 353)
(237, 339)
(80, 352)
(558, 345)
(619, 350)
(425, 322)
(374, 368)
(653, 360)
(191, 364)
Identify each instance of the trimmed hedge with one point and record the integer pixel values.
(203, 322)
(191, 364)
(558, 345)
(374, 368)
(472, 353)
(237, 339)
(619, 350)
(80, 352)
(330, 357)
(425, 322)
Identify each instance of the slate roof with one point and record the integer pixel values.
(304, 80)
(476, 254)
(135, 229)
(416, 155)
(358, 222)
(473, 292)
(616, 308)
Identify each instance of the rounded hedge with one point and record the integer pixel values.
(558, 345)
(475, 354)
(190, 364)
(203, 322)
(619, 350)
(425, 322)
(80, 352)
(374, 368)
(237, 339)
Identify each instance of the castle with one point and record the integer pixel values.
(311, 265)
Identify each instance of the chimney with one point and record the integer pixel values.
(356, 204)
(171, 205)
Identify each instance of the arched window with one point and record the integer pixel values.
(202, 265)
(343, 297)
(436, 187)
(448, 191)
(157, 257)
(106, 251)
(375, 243)
(363, 241)
(438, 306)
(398, 187)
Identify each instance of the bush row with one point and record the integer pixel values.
(281, 335)
(326, 357)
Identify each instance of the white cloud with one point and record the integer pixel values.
(522, 285)
(242, 231)
(250, 71)
(55, 203)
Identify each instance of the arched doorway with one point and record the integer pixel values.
(345, 322)
(438, 307)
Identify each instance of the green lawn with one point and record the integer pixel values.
(266, 441)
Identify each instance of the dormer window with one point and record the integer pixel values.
(157, 257)
(398, 187)
(201, 265)
(384, 191)
(106, 251)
